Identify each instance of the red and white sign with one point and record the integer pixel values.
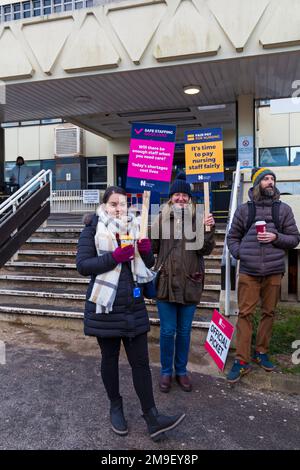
(218, 340)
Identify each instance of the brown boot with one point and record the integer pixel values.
(184, 382)
(165, 383)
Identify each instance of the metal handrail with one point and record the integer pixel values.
(13, 200)
(232, 209)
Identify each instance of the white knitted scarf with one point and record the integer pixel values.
(106, 284)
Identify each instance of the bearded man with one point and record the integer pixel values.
(262, 265)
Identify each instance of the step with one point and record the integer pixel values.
(69, 269)
(41, 265)
(47, 252)
(202, 314)
(59, 294)
(47, 255)
(44, 312)
(40, 311)
(59, 229)
(29, 298)
(58, 233)
(50, 244)
(35, 268)
(53, 240)
(72, 266)
(75, 285)
(213, 261)
(29, 278)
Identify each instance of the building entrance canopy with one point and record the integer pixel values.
(99, 66)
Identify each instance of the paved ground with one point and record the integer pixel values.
(52, 397)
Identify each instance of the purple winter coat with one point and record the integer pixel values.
(262, 259)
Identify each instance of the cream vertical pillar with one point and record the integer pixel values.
(111, 164)
(114, 148)
(245, 130)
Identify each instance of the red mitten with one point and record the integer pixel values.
(122, 255)
(144, 246)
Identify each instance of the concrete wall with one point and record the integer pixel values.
(145, 33)
(37, 143)
(277, 130)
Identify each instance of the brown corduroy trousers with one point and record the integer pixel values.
(252, 289)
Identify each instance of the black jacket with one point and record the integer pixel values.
(129, 316)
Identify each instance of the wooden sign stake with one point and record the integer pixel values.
(145, 213)
(206, 204)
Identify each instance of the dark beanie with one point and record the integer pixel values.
(259, 173)
(180, 185)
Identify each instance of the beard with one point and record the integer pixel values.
(268, 192)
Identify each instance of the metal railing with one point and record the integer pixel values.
(22, 213)
(16, 198)
(227, 258)
(67, 201)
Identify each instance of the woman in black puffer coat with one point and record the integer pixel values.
(115, 309)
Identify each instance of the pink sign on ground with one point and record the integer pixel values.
(218, 339)
(149, 159)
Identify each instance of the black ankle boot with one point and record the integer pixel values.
(117, 419)
(158, 424)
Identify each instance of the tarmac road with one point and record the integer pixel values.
(52, 397)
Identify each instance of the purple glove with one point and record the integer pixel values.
(121, 255)
(144, 246)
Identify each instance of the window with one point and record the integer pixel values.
(67, 5)
(36, 8)
(78, 4)
(277, 156)
(10, 124)
(7, 12)
(47, 7)
(30, 123)
(51, 121)
(57, 5)
(26, 9)
(97, 173)
(295, 156)
(89, 3)
(17, 11)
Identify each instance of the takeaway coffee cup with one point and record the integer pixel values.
(260, 226)
(126, 240)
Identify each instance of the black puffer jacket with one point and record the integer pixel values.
(262, 259)
(129, 315)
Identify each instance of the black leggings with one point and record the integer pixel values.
(138, 358)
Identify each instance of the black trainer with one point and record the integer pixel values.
(158, 424)
(117, 419)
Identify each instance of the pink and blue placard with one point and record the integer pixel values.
(151, 157)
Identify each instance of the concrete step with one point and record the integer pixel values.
(74, 284)
(47, 255)
(60, 233)
(59, 293)
(36, 268)
(203, 312)
(61, 229)
(50, 244)
(213, 261)
(12, 313)
(39, 298)
(62, 313)
(69, 269)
